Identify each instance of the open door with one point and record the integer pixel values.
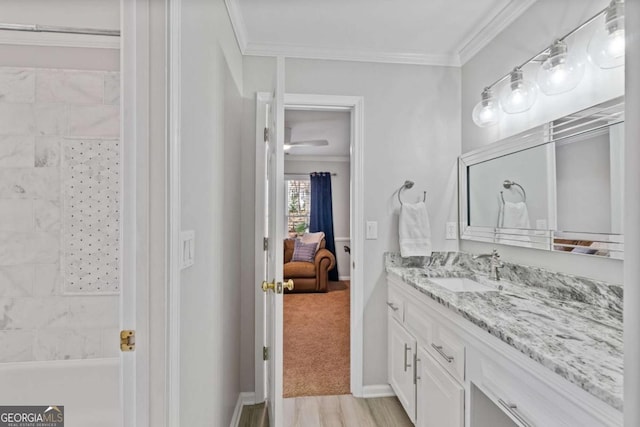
(272, 285)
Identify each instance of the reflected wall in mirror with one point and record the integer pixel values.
(555, 187)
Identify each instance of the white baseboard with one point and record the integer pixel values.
(344, 277)
(378, 390)
(244, 398)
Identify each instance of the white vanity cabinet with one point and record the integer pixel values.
(426, 365)
(439, 363)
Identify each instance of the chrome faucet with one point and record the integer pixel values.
(494, 266)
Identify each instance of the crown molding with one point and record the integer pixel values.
(360, 55)
(491, 28)
(58, 39)
(238, 24)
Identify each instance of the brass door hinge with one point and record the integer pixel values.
(265, 353)
(127, 340)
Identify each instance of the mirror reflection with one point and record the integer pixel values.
(557, 187)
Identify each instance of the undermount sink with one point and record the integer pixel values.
(461, 284)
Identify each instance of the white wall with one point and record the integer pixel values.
(411, 131)
(529, 34)
(340, 201)
(211, 175)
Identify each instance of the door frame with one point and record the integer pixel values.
(322, 103)
(134, 135)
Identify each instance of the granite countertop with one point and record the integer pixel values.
(569, 324)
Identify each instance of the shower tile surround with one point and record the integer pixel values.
(59, 203)
(569, 324)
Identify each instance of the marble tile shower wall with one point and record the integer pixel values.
(59, 228)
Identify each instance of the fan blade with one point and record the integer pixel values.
(309, 143)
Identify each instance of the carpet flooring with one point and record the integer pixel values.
(316, 342)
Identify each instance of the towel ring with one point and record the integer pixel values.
(508, 184)
(408, 184)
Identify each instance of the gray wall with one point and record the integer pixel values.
(411, 131)
(210, 183)
(632, 227)
(530, 33)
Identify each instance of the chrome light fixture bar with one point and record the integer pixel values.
(560, 70)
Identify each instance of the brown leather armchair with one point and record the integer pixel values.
(307, 276)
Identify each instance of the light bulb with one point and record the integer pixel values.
(485, 113)
(519, 95)
(560, 72)
(606, 47)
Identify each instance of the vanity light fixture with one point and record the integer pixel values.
(560, 72)
(606, 47)
(519, 95)
(486, 113)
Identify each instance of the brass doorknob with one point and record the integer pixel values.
(268, 285)
(288, 284)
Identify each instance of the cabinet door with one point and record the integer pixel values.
(402, 347)
(440, 399)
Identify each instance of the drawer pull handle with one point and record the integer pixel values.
(393, 306)
(513, 410)
(406, 365)
(438, 348)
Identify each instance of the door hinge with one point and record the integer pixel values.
(265, 353)
(127, 340)
(265, 243)
(266, 134)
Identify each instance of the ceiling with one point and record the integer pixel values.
(432, 32)
(334, 126)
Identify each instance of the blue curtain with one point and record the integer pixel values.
(322, 213)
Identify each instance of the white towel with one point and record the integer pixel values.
(414, 230)
(515, 216)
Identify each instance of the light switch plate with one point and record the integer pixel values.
(452, 231)
(187, 248)
(372, 230)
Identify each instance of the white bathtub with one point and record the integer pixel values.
(89, 389)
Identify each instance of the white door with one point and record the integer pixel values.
(274, 187)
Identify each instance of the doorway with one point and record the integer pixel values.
(316, 336)
(354, 107)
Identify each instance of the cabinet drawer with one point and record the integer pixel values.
(419, 323)
(449, 349)
(395, 304)
(525, 399)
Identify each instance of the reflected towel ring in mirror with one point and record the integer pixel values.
(508, 184)
(409, 184)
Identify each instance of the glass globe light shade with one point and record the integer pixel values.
(519, 95)
(486, 113)
(560, 72)
(606, 47)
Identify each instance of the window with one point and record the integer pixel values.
(298, 206)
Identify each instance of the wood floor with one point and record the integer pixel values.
(332, 411)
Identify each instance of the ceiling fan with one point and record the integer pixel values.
(288, 144)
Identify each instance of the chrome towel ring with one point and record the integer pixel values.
(508, 184)
(408, 184)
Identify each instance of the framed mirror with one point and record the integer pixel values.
(556, 187)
